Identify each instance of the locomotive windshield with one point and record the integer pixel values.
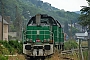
(48, 20)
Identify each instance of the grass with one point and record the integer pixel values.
(84, 43)
(18, 57)
(59, 56)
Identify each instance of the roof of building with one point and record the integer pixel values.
(3, 20)
(82, 34)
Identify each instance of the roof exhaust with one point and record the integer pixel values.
(38, 17)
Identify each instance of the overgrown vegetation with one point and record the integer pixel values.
(85, 53)
(3, 57)
(70, 44)
(12, 46)
(3, 51)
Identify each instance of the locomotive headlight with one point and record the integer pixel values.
(48, 40)
(34, 41)
(51, 41)
(30, 40)
(27, 39)
(45, 40)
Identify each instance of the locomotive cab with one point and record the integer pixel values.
(38, 38)
(41, 36)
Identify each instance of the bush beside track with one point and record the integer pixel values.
(70, 44)
(9, 48)
(13, 47)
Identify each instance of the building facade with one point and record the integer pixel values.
(5, 29)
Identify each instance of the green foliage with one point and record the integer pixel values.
(4, 50)
(11, 47)
(3, 57)
(12, 28)
(85, 53)
(16, 45)
(88, 0)
(70, 44)
(85, 16)
(8, 46)
(34, 7)
(74, 30)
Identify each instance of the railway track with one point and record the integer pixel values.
(64, 55)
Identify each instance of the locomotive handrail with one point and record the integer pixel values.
(42, 24)
(35, 34)
(39, 34)
(36, 30)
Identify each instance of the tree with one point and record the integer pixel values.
(88, 1)
(84, 18)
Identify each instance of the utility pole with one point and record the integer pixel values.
(17, 23)
(71, 29)
(2, 8)
(88, 49)
(89, 44)
(79, 48)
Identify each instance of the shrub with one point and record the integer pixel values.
(4, 50)
(70, 44)
(16, 45)
(13, 46)
(3, 57)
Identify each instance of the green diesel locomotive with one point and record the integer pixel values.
(42, 35)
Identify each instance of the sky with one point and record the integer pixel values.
(67, 5)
